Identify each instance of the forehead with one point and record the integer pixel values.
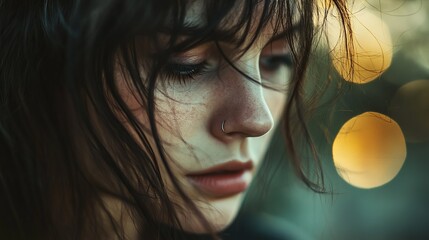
(197, 12)
(239, 19)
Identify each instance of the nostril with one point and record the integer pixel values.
(243, 126)
(247, 117)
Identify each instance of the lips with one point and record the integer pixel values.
(223, 180)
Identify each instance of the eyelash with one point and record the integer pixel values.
(184, 72)
(278, 60)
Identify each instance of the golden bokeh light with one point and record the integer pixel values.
(410, 107)
(372, 47)
(369, 150)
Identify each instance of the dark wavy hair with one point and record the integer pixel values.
(63, 146)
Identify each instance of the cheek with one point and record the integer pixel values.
(176, 111)
(180, 116)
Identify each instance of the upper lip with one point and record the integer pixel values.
(230, 166)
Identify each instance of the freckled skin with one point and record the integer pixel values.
(189, 123)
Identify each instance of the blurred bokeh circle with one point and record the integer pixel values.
(369, 150)
(410, 108)
(372, 47)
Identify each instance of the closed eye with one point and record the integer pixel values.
(184, 72)
(274, 62)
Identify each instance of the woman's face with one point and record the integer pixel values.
(215, 123)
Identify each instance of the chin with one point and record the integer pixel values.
(220, 213)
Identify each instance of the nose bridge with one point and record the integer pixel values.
(247, 95)
(248, 111)
(249, 65)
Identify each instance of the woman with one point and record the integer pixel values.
(143, 119)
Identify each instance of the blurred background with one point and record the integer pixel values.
(384, 193)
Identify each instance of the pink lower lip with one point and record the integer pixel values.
(221, 184)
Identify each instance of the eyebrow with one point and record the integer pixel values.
(279, 35)
(192, 29)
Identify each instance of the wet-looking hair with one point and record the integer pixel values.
(63, 146)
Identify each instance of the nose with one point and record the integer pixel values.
(242, 110)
